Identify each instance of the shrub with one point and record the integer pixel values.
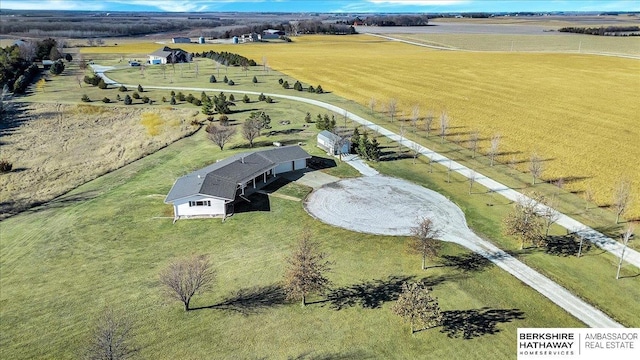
(307, 118)
(280, 81)
(189, 98)
(224, 120)
(285, 84)
(127, 100)
(173, 93)
(106, 100)
(5, 166)
(196, 102)
(297, 86)
(231, 83)
(255, 80)
(226, 80)
(319, 90)
(245, 99)
(212, 79)
(68, 57)
(135, 95)
(211, 118)
(57, 68)
(261, 97)
(102, 84)
(118, 97)
(85, 98)
(140, 89)
(164, 99)
(269, 100)
(122, 88)
(232, 98)
(145, 99)
(173, 100)
(180, 96)
(311, 89)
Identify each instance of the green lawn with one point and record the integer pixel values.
(105, 243)
(591, 277)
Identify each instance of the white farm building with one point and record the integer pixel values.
(333, 144)
(211, 191)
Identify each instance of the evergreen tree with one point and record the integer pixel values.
(212, 79)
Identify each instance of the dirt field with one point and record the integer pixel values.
(55, 147)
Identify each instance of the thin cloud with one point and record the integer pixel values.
(419, 2)
(53, 5)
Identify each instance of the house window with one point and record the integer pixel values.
(200, 203)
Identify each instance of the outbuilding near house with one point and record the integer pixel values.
(333, 144)
(212, 191)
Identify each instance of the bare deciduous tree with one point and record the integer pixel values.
(621, 198)
(428, 122)
(112, 337)
(251, 129)
(391, 108)
(372, 105)
(415, 151)
(524, 223)
(306, 271)
(415, 116)
(416, 306)
(472, 180)
(473, 142)
(184, 278)
(220, 135)
(444, 125)
(625, 241)
(423, 240)
(548, 213)
(493, 150)
(535, 167)
(588, 197)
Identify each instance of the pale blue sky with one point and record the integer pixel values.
(326, 6)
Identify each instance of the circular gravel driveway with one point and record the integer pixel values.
(384, 206)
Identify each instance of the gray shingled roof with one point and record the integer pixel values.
(165, 51)
(221, 179)
(329, 136)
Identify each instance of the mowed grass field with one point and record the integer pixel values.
(578, 112)
(105, 245)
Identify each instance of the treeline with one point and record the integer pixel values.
(603, 31)
(100, 26)
(295, 27)
(17, 68)
(227, 58)
(398, 20)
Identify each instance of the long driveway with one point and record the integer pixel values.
(572, 225)
(572, 304)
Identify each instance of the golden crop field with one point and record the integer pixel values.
(579, 112)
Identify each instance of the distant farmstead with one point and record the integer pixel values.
(213, 190)
(167, 55)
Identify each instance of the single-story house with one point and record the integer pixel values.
(333, 144)
(181, 40)
(167, 55)
(212, 191)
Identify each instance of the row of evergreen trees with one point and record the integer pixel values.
(227, 58)
(366, 148)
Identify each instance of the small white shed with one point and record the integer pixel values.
(333, 144)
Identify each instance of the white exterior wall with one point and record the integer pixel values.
(182, 208)
(163, 60)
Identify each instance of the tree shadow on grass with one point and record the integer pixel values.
(473, 323)
(372, 294)
(251, 300)
(466, 262)
(566, 245)
(355, 355)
